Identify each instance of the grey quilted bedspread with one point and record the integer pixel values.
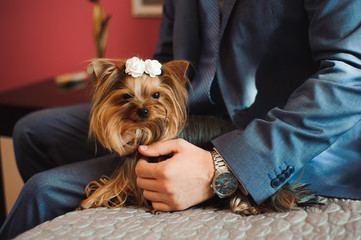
(336, 219)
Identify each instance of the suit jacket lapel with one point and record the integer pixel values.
(227, 10)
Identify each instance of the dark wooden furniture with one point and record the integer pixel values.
(18, 102)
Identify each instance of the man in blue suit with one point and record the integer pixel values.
(294, 68)
(288, 75)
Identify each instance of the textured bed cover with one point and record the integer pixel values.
(336, 219)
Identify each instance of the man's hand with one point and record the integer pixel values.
(179, 182)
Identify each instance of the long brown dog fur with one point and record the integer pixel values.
(116, 125)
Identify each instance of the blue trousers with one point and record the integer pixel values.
(52, 151)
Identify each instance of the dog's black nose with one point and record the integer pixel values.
(143, 113)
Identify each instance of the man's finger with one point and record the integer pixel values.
(150, 184)
(161, 206)
(144, 169)
(154, 196)
(160, 148)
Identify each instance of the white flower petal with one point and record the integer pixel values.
(135, 67)
(153, 67)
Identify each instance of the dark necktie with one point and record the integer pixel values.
(210, 24)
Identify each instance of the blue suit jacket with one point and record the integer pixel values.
(298, 63)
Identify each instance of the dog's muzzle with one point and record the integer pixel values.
(143, 113)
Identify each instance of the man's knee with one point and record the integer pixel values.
(42, 183)
(56, 188)
(28, 127)
(22, 128)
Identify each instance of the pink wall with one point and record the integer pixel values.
(44, 38)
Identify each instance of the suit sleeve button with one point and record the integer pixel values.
(282, 177)
(290, 169)
(275, 182)
(286, 173)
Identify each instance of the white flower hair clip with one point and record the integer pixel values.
(136, 67)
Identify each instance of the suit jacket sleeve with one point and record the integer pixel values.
(316, 114)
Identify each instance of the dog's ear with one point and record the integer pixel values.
(178, 68)
(99, 67)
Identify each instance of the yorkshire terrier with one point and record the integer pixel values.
(139, 103)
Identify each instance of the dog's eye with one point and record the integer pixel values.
(156, 95)
(127, 96)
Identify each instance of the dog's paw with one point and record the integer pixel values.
(240, 204)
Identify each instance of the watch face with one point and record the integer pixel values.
(225, 184)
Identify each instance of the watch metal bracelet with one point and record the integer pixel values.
(220, 163)
(218, 160)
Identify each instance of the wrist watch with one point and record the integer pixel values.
(224, 183)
